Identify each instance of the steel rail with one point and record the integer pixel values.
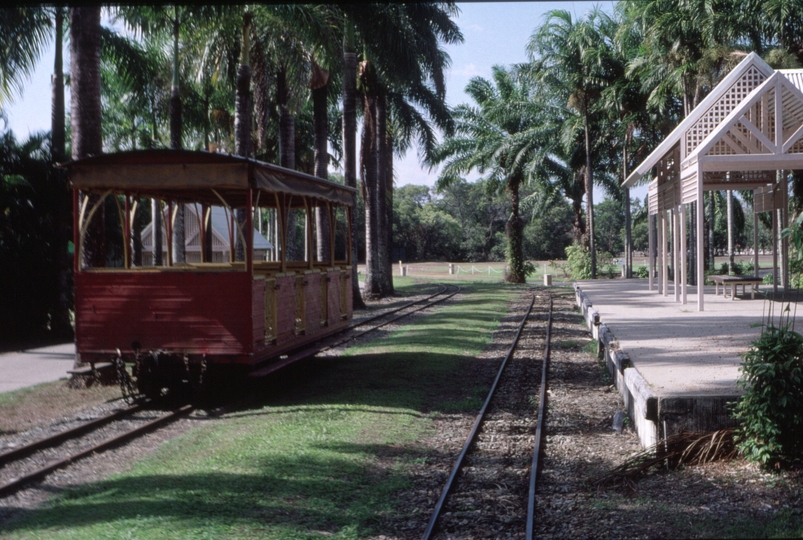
(475, 429)
(539, 429)
(17, 483)
(57, 438)
(394, 310)
(334, 341)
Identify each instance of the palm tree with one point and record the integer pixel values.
(568, 56)
(85, 105)
(24, 31)
(496, 138)
(388, 72)
(350, 145)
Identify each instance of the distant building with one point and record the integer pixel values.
(192, 238)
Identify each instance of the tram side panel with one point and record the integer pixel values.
(312, 302)
(194, 313)
(333, 300)
(285, 308)
(258, 309)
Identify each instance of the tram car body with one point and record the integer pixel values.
(174, 320)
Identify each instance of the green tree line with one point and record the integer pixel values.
(297, 84)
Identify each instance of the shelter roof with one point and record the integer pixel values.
(739, 144)
(187, 175)
(714, 100)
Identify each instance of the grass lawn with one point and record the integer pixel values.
(321, 455)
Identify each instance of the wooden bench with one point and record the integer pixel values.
(734, 282)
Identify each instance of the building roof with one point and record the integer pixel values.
(752, 60)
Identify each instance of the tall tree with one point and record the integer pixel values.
(61, 319)
(390, 75)
(569, 56)
(85, 105)
(489, 138)
(242, 114)
(349, 147)
(24, 31)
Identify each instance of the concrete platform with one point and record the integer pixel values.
(35, 366)
(675, 367)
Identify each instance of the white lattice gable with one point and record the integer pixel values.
(721, 101)
(768, 122)
(733, 96)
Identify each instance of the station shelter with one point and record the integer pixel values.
(745, 135)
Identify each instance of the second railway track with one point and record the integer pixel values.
(360, 329)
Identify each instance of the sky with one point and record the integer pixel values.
(495, 33)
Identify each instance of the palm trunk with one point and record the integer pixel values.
(578, 224)
(136, 236)
(87, 138)
(350, 157)
(389, 209)
(370, 197)
(711, 221)
(628, 217)
(287, 158)
(259, 72)
(514, 236)
(179, 253)
(321, 127)
(60, 323)
(156, 220)
(590, 198)
(381, 246)
(57, 124)
(242, 118)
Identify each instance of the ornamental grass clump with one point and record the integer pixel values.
(770, 413)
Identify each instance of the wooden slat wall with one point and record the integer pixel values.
(191, 312)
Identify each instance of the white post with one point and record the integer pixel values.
(650, 247)
(664, 256)
(785, 224)
(683, 254)
(755, 240)
(675, 254)
(775, 273)
(700, 242)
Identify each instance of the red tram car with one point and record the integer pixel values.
(177, 322)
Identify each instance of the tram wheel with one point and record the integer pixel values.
(148, 377)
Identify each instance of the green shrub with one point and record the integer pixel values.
(642, 272)
(578, 259)
(723, 268)
(767, 279)
(770, 413)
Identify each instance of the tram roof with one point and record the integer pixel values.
(191, 175)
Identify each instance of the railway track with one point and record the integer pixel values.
(489, 491)
(351, 333)
(36, 459)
